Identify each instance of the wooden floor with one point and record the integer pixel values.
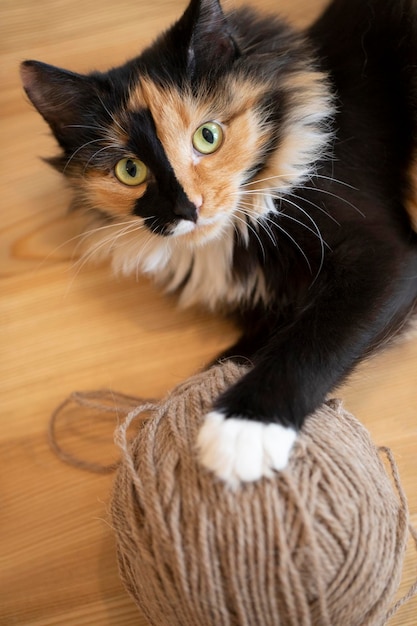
(65, 329)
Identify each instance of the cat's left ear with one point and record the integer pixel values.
(61, 97)
(211, 45)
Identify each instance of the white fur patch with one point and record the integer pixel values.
(182, 228)
(240, 450)
(204, 271)
(210, 280)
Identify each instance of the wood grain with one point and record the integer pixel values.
(64, 329)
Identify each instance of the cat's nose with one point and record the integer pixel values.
(198, 202)
(188, 209)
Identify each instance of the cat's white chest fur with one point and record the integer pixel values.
(206, 273)
(201, 274)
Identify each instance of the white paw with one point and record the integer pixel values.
(240, 450)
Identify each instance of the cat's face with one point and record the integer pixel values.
(185, 156)
(190, 141)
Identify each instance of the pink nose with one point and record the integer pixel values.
(198, 202)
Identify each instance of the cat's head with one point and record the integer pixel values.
(194, 137)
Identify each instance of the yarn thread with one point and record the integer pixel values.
(320, 544)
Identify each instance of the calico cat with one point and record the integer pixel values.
(261, 172)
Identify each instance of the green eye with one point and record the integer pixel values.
(208, 138)
(131, 172)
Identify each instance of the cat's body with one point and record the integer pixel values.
(264, 173)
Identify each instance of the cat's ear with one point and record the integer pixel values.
(211, 44)
(61, 97)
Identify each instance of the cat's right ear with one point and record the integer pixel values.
(61, 97)
(211, 45)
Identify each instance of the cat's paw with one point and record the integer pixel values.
(239, 450)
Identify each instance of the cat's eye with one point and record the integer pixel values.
(208, 138)
(131, 172)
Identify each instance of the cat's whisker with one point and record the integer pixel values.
(322, 242)
(127, 231)
(316, 206)
(91, 253)
(84, 145)
(248, 225)
(110, 240)
(334, 195)
(297, 197)
(268, 221)
(101, 129)
(247, 210)
(85, 260)
(94, 156)
(311, 230)
(65, 243)
(267, 178)
(78, 266)
(316, 231)
(94, 231)
(236, 230)
(145, 247)
(81, 238)
(107, 226)
(261, 221)
(267, 229)
(275, 196)
(279, 177)
(282, 229)
(296, 244)
(112, 117)
(335, 180)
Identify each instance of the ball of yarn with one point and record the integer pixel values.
(320, 543)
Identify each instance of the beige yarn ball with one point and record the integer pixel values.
(322, 543)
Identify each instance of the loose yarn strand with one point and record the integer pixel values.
(103, 401)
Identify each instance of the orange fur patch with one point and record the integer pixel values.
(103, 191)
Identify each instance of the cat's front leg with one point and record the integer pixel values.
(253, 426)
(236, 447)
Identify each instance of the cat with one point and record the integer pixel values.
(264, 173)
